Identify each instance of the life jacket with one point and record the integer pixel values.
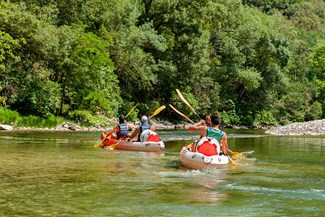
(123, 131)
(207, 146)
(143, 127)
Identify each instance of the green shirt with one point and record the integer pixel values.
(216, 134)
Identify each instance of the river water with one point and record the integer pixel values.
(61, 174)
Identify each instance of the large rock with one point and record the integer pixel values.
(5, 127)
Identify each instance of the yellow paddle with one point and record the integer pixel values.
(98, 144)
(131, 110)
(181, 114)
(236, 155)
(187, 103)
(157, 111)
(233, 163)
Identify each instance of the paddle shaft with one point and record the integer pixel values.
(181, 114)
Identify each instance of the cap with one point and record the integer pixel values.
(144, 119)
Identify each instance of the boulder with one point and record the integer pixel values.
(5, 127)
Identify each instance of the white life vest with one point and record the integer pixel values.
(149, 136)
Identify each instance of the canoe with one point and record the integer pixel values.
(147, 146)
(196, 160)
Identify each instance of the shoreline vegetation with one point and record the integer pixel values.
(316, 127)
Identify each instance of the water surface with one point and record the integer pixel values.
(61, 174)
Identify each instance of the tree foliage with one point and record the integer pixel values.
(255, 62)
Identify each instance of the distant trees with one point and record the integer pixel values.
(256, 62)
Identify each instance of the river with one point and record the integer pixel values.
(61, 174)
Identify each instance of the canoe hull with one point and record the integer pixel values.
(196, 160)
(149, 146)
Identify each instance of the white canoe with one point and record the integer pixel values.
(141, 146)
(196, 160)
(148, 146)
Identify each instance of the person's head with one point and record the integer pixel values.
(215, 119)
(121, 119)
(144, 119)
(207, 120)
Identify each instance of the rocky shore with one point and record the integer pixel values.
(159, 125)
(299, 128)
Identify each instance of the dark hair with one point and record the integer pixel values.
(215, 119)
(121, 119)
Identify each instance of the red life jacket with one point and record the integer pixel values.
(207, 146)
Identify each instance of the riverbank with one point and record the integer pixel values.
(159, 125)
(299, 128)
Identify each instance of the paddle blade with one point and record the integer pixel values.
(184, 100)
(233, 163)
(158, 110)
(111, 147)
(98, 145)
(181, 114)
(236, 155)
(187, 103)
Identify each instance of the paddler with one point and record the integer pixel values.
(212, 130)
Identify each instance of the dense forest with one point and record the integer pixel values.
(255, 62)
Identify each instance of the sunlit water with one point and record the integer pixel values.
(61, 174)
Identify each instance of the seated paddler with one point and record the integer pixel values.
(145, 131)
(121, 130)
(213, 141)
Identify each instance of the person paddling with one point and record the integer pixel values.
(121, 129)
(212, 130)
(144, 125)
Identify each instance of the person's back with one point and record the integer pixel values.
(122, 132)
(215, 133)
(144, 126)
(121, 129)
(211, 131)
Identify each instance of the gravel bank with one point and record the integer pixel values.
(300, 128)
(159, 125)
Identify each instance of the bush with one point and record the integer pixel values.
(85, 118)
(230, 117)
(34, 121)
(314, 111)
(9, 117)
(265, 118)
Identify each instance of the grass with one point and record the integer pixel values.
(15, 119)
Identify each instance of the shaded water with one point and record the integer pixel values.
(61, 174)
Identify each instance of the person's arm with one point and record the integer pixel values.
(135, 133)
(224, 143)
(129, 126)
(198, 127)
(114, 129)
